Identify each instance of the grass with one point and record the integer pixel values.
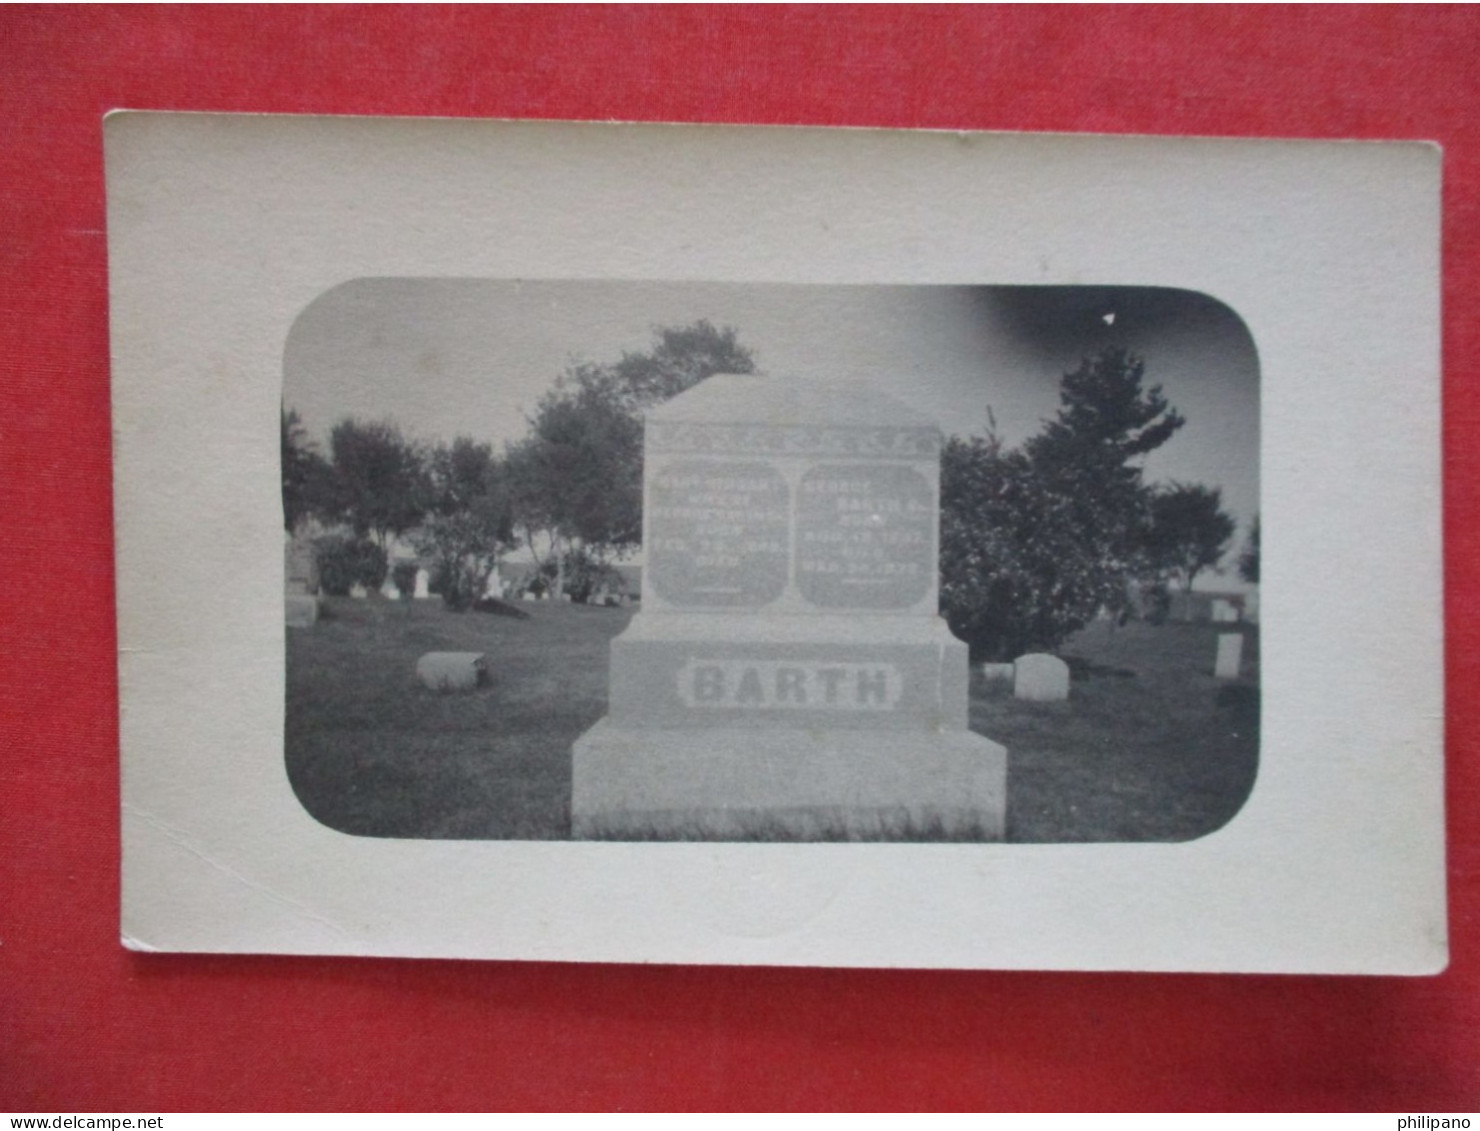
(370, 751)
(802, 824)
(1148, 747)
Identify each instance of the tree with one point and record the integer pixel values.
(1106, 417)
(305, 473)
(1088, 458)
(380, 484)
(1248, 562)
(1017, 571)
(681, 357)
(469, 522)
(1035, 542)
(576, 479)
(1189, 532)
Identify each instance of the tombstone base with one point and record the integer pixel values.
(302, 609)
(749, 784)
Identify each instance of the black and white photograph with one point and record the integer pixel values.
(638, 560)
(628, 543)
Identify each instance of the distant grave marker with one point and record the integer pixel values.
(1230, 655)
(301, 583)
(1040, 677)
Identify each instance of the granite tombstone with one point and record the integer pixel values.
(789, 673)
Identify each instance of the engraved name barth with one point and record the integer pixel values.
(771, 684)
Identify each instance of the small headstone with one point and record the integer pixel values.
(301, 584)
(358, 591)
(300, 568)
(997, 671)
(389, 590)
(528, 596)
(423, 585)
(1230, 655)
(1224, 612)
(452, 671)
(302, 609)
(1040, 677)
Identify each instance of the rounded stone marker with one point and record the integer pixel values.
(1041, 677)
(452, 671)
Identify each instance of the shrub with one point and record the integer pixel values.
(447, 584)
(404, 575)
(585, 575)
(344, 561)
(1025, 560)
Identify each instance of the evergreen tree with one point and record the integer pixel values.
(1034, 542)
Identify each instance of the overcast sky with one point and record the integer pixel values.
(450, 357)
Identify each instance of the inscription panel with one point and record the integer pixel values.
(865, 536)
(718, 534)
(788, 685)
(882, 442)
(878, 686)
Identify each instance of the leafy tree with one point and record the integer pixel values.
(469, 523)
(305, 473)
(1017, 571)
(680, 358)
(1190, 531)
(1034, 542)
(380, 484)
(1248, 562)
(576, 479)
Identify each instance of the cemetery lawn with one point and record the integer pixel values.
(1148, 747)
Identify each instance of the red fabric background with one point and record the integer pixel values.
(85, 1025)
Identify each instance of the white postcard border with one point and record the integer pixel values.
(223, 228)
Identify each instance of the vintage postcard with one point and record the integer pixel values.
(777, 546)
